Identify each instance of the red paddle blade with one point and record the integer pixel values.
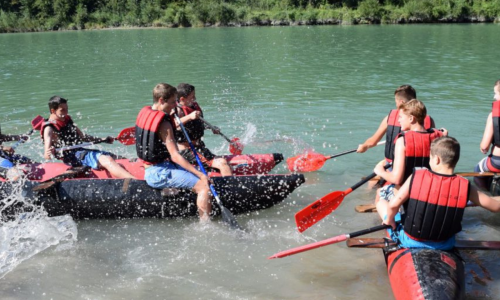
(235, 147)
(308, 162)
(296, 250)
(127, 136)
(37, 122)
(317, 210)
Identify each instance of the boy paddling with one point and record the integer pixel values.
(59, 131)
(390, 124)
(190, 115)
(412, 147)
(491, 139)
(155, 145)
(434, 201)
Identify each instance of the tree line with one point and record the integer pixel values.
(46, 15)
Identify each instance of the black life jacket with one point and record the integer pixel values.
(194, 128)
(393, 129)
(436, 205)
(67, 134)
(495, 114)
(418, 149)
(148, 143)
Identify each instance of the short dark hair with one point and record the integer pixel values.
(184, 90)
(55, 101)
(448, 149)
(163, 90)
(405, 92)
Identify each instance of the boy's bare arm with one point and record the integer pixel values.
(487, 135)
(375, 138)
(480, 199)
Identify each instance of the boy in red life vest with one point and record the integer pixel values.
(190, 113)
(434, 201)
(412, 147)
(155, 145)
(390, 124)
(59, 131)
(491, 138)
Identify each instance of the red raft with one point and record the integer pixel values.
(251, 164)
(420, 274)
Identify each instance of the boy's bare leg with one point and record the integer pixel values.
(203, 200)
(221, 164)
(108, 163)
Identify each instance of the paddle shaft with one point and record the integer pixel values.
(79, 146)
(350, 151)
(16, 144)
(329, 241)
(224, 211)
(220, 133)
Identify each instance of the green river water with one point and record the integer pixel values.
(280, 89)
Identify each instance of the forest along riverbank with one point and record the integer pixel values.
(74, 15)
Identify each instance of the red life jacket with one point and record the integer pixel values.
(66, 131)
(148, 143)
(194, 128)
(436, 205)
(393, 129)
(495, 114)
(418, 149)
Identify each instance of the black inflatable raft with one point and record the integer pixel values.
(125, 198)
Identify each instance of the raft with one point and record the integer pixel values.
(131, 198)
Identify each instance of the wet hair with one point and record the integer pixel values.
(184, 90)
(163, 90)
(416, 109)
(55, 101)
(447, 148)
(405, 93)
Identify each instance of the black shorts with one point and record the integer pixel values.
(205, 155)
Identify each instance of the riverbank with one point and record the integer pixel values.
(220, 14)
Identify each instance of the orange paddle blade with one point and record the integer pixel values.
(308, 162)
(300, 249)
(319, 209)
(235, 146)
(127, 136)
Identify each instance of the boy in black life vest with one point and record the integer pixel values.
(491, 138)
(59, 131)
(412, 147)
(434, 201)
(155, 145)
(390, 124)
(190, 113)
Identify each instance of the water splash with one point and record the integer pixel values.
(29, 230)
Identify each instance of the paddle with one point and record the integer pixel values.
(227, 216)
(235, 147)
(312, 161)
(37, 121)
(69, 173)
(329, 241)
(320, 208)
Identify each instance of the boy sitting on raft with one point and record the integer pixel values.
(155, 145)
(59, 131)
(411, 150)
(434, 201)
(390, 124)
(7, 157)
(491, 138)
(190, 115)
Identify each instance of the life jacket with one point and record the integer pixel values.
(418, 149)
(393, 129)
(495, 114)
(436, 205)
(194, 128)
(148, 143)
(67, 134)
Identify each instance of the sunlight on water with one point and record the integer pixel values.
(27, 230)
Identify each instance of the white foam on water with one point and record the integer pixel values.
(30, 230)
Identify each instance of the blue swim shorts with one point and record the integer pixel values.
(5, 163)
(387, 192)
(404, 241)
(91, 159)
(169, 175)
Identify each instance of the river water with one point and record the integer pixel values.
(280, 89)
